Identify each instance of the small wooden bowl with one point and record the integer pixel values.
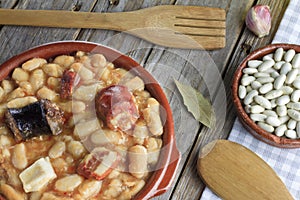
(161, 179)
(252, 127)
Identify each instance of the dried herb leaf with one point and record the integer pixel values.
(197, 104)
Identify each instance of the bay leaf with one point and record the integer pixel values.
(197, 104)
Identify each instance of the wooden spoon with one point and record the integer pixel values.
(192, 27)
(234, 172)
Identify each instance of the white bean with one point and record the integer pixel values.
(250, 70)
(275, 74)
(289, 55)
(266, 127)
(294, 105)
(273, 103)
(57, 149)
(274, 94)
(284, 119)
(254, 63)
(290, 134)
(278, 65)
(278, 54)
(242, 91)
(68, 183)
(281, 110)
(296, 84)
(258, 117)
(246, 80)
(269, 113)
(296, 61)
(285, 68)
(261, 74)
(263, 102)
(273, 121)
(267, 64)
(295, 96)
(294, 114)
(268, 57)
(255, 85)
(298, 129)
(263, 80)
(287, 89)
(279, 81)
(291, 124)
(283, 100)
(19, 158)
(266, 88)
(279, 131)
(256, 109)
(291, 76)
(137, 161)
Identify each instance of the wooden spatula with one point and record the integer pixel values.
(234, 172)
(192, 27)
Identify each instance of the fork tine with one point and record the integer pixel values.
(218, 32)
(201, 23)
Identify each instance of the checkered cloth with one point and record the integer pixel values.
(286, 162)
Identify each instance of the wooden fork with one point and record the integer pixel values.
(192, 27)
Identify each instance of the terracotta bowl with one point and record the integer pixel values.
(253, 128)
(161, 179)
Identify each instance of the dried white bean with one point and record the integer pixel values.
(250, 70)
(242, 91)
(68, 183)
(274, 94)
(275, 74)
(269, 113)
(283, 100)
(278, 54)
(255, 85)
(291, 76)
(247, 108)
(298, 129)
(254, 63)
(295, 96)
(285, 68)
(289, 55)
(257, 109)
(268, 57)
(263, 102)
(291, 124)
(279, 131)
(296, 84)
(263, 80)
(294, 105)
(258, 117)
(279, 81)
(246, 80)
(287, 90)
(273, 103)
(267, 64)
(57, 149)
(296, 61)
(294, 114)
(19, 158)
(278, 65)
(273, 121)
(284, 119)
(290, 134)
(249, 88)
(266, 88)
(261, 74)
(281, 110)
(266, 127)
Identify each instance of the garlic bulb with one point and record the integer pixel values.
(258, 20)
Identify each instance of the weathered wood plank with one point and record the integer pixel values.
(14, 40)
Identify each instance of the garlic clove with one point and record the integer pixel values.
(258, 20)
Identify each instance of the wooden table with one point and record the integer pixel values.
(208, 71)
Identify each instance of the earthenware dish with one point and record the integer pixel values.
(252, 127)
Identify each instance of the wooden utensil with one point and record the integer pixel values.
(192, 27)
(234, 172)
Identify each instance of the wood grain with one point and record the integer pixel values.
(234, 172)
